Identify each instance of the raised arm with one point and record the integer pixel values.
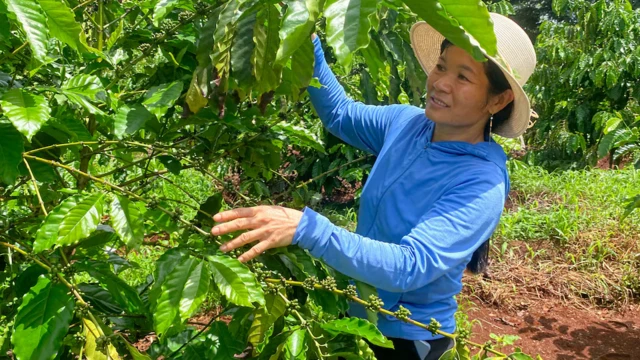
(363, 126)
(445, 238)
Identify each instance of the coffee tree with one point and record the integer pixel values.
(105, 104)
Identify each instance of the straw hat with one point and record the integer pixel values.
(516, 58)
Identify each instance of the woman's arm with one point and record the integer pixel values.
(446, 237)
(363, 126)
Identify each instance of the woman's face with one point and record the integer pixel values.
(458, 92)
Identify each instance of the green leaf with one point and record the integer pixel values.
(122, 294)
(11, 149)
(47, 234)
(73, 127)
(295, 346)
(100, 299)
(26, 111)
(297, 24)
(300, 136)
(183, 290)
(164, 266)
(91, 349)
(195, 97)
(520, 356)
(211, 206)
(128, 120)
(162, 9)
(241, 50)
(115, 35)
(162, 97)
(62, 24)
(42, 321)
(30, 18)
(451, 354)
(612, 124)
(228, 345)
(608, 142)
(135, 354)
(83, 90)
(172, 164)
(348, 25)
(460, 21)
(127, 221)
(273, 309)
(359, 327)
(266, 38)
(235, 281)
(81, 220)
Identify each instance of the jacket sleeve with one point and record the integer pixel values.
(363, 126)
(446, 237)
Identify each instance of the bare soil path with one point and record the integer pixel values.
(557, 331)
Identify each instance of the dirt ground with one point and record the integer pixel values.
(557, 331)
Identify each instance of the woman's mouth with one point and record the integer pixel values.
(437, 102)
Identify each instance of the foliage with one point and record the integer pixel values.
(585, 88)
(107, 104)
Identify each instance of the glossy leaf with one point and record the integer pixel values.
(359, 327)
(164, 266)
(300, 136)
(128, 120)
(460, 21)
(122, 294)
(235, 281)
(115, 35)
(265, 317)
(26, 111)
(211, 206)
(42, 321)
(160, 98)
(81, 220)
(11, 148)
(182, 292)
(241, 50)
(92, 351)
(267, 41)
(348, 25)
(62, 24)
(127, 221)
(47, 234)
(162, 8)
(295, 346)
(297, 24)
(135, 353)
(30, 18)
(172, 164)
(83, 90)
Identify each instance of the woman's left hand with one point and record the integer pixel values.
(271, 226)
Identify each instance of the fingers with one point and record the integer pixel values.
(256, 250)
(235, 214)
(243, 239)
(231, 226)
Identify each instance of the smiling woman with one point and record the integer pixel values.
(435, 194)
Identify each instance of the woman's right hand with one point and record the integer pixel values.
(313, 36)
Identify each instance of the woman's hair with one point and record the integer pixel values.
(498, 84)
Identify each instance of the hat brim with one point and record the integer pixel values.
(426, 41)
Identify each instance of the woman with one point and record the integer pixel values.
(434, 195)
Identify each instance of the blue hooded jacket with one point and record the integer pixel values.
(425, 208)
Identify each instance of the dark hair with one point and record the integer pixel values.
(498, 84)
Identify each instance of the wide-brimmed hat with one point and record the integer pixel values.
(516, 58)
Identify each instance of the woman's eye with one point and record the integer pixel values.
(440, 67)
(463, 78)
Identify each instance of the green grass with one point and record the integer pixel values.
(563, 205)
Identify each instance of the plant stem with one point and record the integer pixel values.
(35, 186)
(11, 246)
(197, 334)
(387, 312)
(118, 188)
(82, 143)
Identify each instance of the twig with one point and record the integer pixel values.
(386, 312)
(118, 188)
(197, 334)
(35, 185)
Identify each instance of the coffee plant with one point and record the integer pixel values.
(106, 105)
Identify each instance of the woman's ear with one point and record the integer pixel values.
(499, 102)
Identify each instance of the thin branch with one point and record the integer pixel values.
(386, 312)
(118, 188)
(213, 319)
(35, 185)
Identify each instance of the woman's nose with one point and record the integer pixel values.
(443, 84)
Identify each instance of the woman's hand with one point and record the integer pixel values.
(271, 226)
